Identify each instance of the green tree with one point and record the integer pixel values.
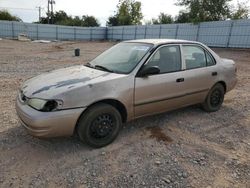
(128, 13)
(112, 21)
(89, 21)
(241, 11)
(5, 15)
(61, 18)
(163, 19)
(136, 13)
(182, 17)
(123, 15)
(205, 10)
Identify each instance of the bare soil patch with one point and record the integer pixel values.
(183, 148)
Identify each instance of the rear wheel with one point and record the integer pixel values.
(100, 125)
(214, 98)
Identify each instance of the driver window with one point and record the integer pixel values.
(167, 58)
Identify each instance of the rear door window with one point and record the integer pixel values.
(210, 59)
(194, 57)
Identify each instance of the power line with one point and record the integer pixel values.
(18, 8)
(41, 2)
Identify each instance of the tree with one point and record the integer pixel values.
(182, 17)
(90, 21)
(128, 13)
(112, 21)
(205, 10)
(241, 11)
(136, 14)
(61, 18)
(163, 19)
(123, 15)
(5, 15)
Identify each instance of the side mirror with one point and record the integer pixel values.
(145, 71)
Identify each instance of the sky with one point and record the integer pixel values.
(27, 9)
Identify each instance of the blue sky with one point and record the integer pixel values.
(27, 11)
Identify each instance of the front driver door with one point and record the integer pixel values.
(163, 91)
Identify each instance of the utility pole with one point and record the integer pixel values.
(52, 11)
(39, 9)
(48, 11)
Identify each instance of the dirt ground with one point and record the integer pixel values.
(183, 148)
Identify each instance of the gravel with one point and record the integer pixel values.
(183, 148)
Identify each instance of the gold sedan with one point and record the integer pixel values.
(130, 80)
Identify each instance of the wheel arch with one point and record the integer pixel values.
(113, 102)
(223, 84)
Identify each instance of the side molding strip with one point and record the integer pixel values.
(169, 98)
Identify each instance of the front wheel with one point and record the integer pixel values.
(214, 98)
(100, 125)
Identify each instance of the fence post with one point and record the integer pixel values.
(13, 32)
(74, 33)
(198, 32)
(135, 31)
(145, 33)
(37, 34)
(56, 32)
(112, 38)
(106, 33)
(230, 33)
(176, 33)
(160, 32)
(91, 33)
(122, 32)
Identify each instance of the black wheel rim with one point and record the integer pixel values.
(215, 99)
(102, 126)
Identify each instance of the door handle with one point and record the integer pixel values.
(214, 73)
(180, 80)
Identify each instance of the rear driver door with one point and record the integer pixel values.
(200, 72)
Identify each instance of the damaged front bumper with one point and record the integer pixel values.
(48, 124)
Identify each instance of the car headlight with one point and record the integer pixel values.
(44, 105)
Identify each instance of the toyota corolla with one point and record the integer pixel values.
(130, 80)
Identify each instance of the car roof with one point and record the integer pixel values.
(162, 41)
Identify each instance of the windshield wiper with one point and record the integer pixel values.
(103, 68)
(89, 65)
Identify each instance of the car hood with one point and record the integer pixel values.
(56, 82)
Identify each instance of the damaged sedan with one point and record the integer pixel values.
(130, 80)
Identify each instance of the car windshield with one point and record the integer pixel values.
(121, 58)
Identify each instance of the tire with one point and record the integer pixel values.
(100, 125)
(214, 98)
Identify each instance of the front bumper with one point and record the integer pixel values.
(48, 124)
